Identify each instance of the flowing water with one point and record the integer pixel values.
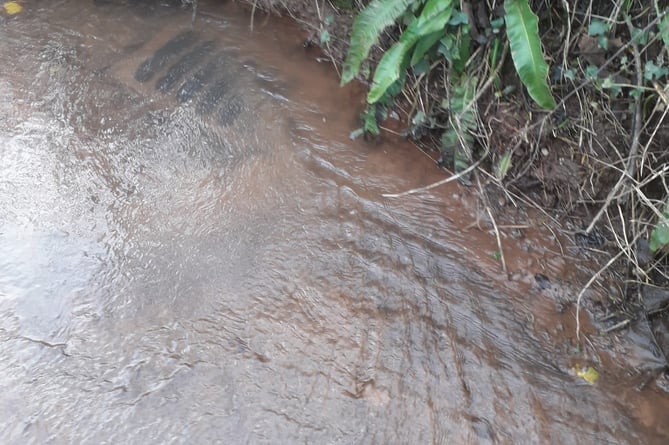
(193, 251)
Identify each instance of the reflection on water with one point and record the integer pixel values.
(193, 252)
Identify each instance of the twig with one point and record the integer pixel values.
(494, 224)
(440, 182)
(592, 280)
(567, 40)
(192, 18)
(499, 240)
(636, 130)
(488, 83)
(616, 326)
(253, 13)
(557, 240)
(327, 43)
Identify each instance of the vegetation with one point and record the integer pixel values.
(454, 68)
(438, 29)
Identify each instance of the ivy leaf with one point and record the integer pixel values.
(325, 37)
(597, 28)
(659, 237)
(664, 30)
(654, 72)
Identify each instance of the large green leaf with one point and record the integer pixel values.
(522, 30)
(433, 18)
(367, 28)
(423, 45)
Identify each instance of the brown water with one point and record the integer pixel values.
(225, 269)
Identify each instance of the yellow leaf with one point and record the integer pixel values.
(588, 374)
(12, 8)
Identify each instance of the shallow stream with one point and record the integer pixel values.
(193, 251)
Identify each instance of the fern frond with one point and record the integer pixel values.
(367, 28)
(463, 121)
(433, 18)
(522, 30)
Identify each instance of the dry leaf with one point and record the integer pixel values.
(12, 8)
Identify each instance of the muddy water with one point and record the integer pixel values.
(192, 251)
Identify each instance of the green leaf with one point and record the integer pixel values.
(419, 118)
(653, 72)
(610, 84)
(463, 50)
(459, 18)
(603, 42)
(522, 29)
(389, 70)
(367, 28)
(433, 18)
(369, 123)
(446, 47)
(664, 30)
(423, 45)
(636, 93)
(393, 90)
(504, 165)
(597, 28)
(591, 72)
(659, 237)
(422, 67)
(457, 139)
(640, 36)
(497, 24)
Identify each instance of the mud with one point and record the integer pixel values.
(169, 51)
(185, 64)
(169, 275)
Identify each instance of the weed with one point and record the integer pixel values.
(608, 68)
(437, 30)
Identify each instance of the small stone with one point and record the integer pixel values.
(542, 281)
